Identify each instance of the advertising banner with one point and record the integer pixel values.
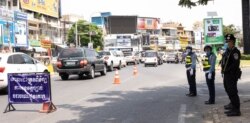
(21, 30)
(198, 37)
(28, 88)
(147, 23)
(1, 34)
(124, 41)
(213, 31)
(7, 32)
(47, 7)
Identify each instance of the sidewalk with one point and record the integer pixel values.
(215, 113)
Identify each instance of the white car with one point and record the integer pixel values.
(111, 59)
(17, 63)
(133, 58)
(163, 55)
(121, 57)
(151, 58)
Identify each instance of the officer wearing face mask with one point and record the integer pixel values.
(190, 71)
(209, 69)
(231, 73)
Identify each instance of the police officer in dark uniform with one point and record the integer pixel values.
(209, 69)
(191, 70)
(231, 73)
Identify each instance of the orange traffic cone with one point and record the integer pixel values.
(135, 71)
(117, 78)
(48, 107)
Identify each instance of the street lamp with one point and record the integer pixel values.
(90, 45)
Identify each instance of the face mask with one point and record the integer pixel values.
(188, 50)
(226, 45)
(208, 53)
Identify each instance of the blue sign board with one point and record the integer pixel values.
(21, 30)
(7, 32)
(26, 88)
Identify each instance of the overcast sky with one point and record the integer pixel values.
(167, 10)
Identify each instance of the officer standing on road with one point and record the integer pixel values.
(191, 70)
(209, 69)
(231, 73)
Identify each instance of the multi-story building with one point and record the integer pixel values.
(43, 19)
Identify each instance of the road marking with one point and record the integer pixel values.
(181, 118)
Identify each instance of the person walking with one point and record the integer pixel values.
(231, 73)
(209, 69)
(191, 71)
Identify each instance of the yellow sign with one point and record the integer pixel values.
(46, 44)
(183, 41)
(47, 7)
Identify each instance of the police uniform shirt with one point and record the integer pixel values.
(231, 61)
(212, 61)
(193, 59)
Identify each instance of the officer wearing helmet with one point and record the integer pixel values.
(190, 71)
(209, 69)
(231, 73)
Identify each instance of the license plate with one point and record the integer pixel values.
(70, 63)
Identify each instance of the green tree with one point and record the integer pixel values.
(190, 3)
(84, 28)
(230, 29)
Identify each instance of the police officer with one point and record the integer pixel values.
(231, 73)
(191, 70)
(209, 69)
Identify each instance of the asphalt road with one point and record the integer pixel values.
(156, 95)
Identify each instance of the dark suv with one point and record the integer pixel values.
(80, 61)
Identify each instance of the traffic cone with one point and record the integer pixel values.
(117, 78)
(48, 107)
(135, 71)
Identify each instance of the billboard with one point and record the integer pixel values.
(213, 31)
(21, 30)
(47, 7)
(147, 23)
(121, 24)
(26, 88)
(123, 40)
(7, 34)
(183, 41)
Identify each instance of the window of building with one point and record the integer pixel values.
(14, 2)
(2, 2)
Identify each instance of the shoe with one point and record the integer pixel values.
(191, 95)
(233, 113)
(228, 107)
(209, 102)
(226, 112)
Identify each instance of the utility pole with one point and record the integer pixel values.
(76, 33)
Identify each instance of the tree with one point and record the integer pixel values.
(230, 29)
(190, 3)
(84, 28)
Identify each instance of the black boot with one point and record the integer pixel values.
(209, 102)
(233, 113)
(228, 106)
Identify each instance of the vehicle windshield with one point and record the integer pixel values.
(171, 55)
(150, 54)
(66, 53)
(161, 54)
(104, 53)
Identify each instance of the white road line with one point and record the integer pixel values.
(181, 118)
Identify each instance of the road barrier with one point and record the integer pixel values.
(30, 88)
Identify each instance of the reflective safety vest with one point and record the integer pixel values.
(206, 64)
(188, 61)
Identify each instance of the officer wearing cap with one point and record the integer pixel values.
(190, 71)
(209, 69)
(231, 73)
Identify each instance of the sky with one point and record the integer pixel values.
(166, 10)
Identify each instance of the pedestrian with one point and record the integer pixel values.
(231, 73)
(209, 69)
(191, 71)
